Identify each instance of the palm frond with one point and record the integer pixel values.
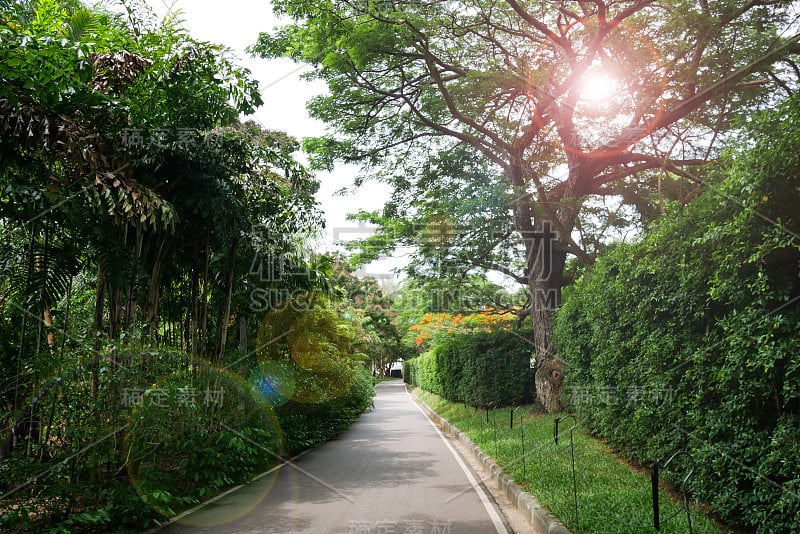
(80, 23)
(43, 278)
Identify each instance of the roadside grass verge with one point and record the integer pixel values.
(613, 497)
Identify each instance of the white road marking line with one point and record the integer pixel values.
(498, 523)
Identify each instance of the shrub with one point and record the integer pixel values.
(307, 425)
(700, 314)
(482, 369)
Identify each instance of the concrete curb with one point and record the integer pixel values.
(540, 519)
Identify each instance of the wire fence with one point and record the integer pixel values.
(510, 441)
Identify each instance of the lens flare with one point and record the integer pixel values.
(308, 338)
(273, 382)
(176, 431)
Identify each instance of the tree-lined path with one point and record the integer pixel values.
(390, 473)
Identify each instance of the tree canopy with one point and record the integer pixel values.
(521, 84)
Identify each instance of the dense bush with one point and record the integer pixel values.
(688, 340)
(189, 431)
(482, 369)
(308, 425)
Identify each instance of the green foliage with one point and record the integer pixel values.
(611, 495)
(307, 425)
(135, 208)
(195, 432)
(688, 341)
(451, 209)
(475, 114)
(481, 369)
(315, 343)
(379, 321)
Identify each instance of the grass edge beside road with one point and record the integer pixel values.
(612, 496)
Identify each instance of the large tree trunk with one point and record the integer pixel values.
(545, 269)
(546, 259)
(538, 220)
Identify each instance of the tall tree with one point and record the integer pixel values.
(567, 100)
(122, 156)
(371, 301)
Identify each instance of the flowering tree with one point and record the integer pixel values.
(434, 326)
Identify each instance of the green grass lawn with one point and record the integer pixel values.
(612, 497)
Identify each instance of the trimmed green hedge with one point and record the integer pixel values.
(482, 369)
(689, 340)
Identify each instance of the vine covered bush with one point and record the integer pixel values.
(480, 368)
(689, 340)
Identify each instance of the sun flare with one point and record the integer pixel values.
(598, 87)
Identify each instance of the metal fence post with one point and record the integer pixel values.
(654, 483)
(572, 451)
(522, 439)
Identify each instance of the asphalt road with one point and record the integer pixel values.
(391, 473)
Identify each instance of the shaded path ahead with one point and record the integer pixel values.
(391, 473)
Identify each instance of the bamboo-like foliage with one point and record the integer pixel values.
(131, 198)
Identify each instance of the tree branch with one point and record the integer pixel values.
(634, 134)
(492, 266)
(542, 28)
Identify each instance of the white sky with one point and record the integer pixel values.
(236, 24)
